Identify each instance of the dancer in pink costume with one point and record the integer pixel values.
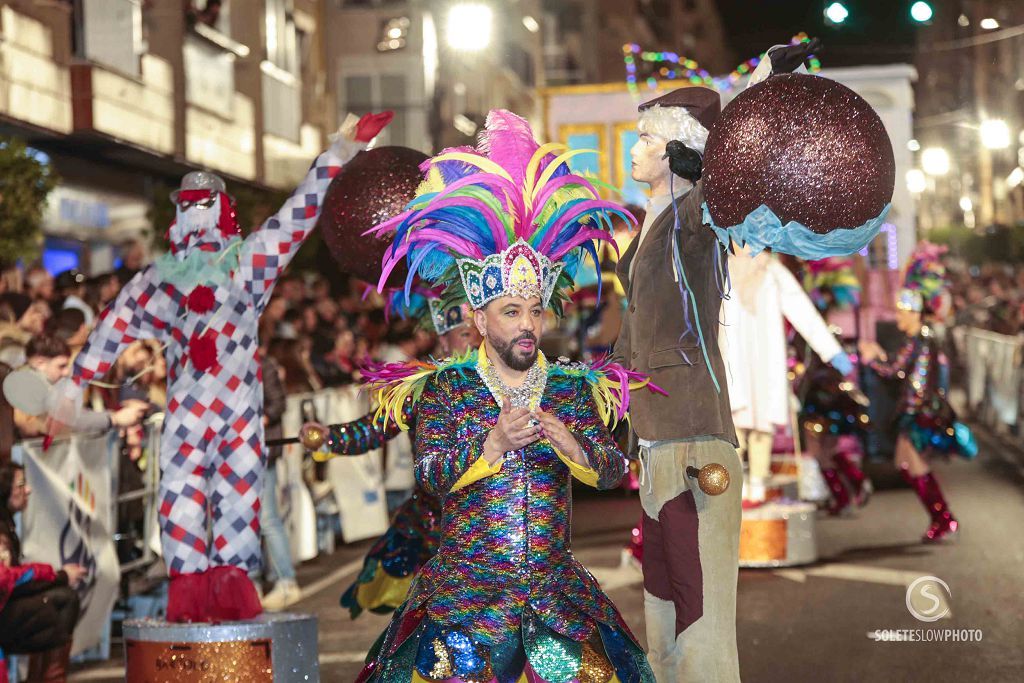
(202, 301)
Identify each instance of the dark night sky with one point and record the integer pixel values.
(877, 31)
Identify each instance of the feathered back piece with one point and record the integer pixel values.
(423, 304)
(832, 283)
(925, 280)
(505, 218)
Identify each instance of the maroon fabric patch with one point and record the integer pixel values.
(672, 559)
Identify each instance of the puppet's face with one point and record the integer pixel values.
(649, 164)
(204, 220)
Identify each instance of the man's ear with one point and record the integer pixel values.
(480, 320)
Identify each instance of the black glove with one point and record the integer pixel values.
(684, 161)
(788, 58)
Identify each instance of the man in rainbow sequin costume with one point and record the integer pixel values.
(500, 431)
(927, 423)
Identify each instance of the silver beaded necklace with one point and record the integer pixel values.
(525, 395)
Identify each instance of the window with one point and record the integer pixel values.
(362, 94)
(282, 70)
(282, 41)
(109, 32)
(214, 14)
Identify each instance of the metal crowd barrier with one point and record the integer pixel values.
(347, 495)
(993, 374)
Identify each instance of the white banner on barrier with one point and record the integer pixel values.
(68, 522)
(294, 500)
(357, 481)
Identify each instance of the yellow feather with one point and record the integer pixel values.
(531, 168)
(483, 163)
(553, 166)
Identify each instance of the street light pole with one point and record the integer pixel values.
(986, 197)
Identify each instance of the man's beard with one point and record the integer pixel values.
(507, 352)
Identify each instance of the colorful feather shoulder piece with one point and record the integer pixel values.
(390, 384)
(832, 283)
(610, 383)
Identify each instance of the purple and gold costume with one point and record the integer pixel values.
(504, 599)
(926, 418)
(413, 535)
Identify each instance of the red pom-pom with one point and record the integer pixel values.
(201, 299)
(202, 350)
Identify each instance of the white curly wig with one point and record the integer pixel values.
(674, 123)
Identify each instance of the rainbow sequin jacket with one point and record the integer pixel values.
(505, 547)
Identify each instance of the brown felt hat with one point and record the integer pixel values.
(703, 104)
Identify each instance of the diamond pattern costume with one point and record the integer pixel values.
(203, 301)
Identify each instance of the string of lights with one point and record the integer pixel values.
(676, 67)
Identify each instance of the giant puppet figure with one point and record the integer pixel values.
(203, 301)
(771, 170)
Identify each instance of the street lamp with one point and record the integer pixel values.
(469, 26)
(935, 161)
(995, 134)
(921, 12)
(836, 13)
(916, 182)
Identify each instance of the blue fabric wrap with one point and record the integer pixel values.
(762, 229)
(200, 267)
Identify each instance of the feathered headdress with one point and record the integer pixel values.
(507, 218)
(925, 280)
(832, 283)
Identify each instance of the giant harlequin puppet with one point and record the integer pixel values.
(203, 301)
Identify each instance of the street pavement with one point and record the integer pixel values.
(814, 623)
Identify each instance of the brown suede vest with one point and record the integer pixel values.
(652, 326)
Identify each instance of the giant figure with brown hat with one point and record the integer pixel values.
(675, 276)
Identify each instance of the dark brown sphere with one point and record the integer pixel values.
(809, 148)
(373, 187)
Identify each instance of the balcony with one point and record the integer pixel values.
(220, 122)
(33, 88)
(139, 111)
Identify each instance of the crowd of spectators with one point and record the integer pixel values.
(316, 337)
(989, 297)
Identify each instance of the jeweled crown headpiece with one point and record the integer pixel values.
(507, 218)
(925, 280)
